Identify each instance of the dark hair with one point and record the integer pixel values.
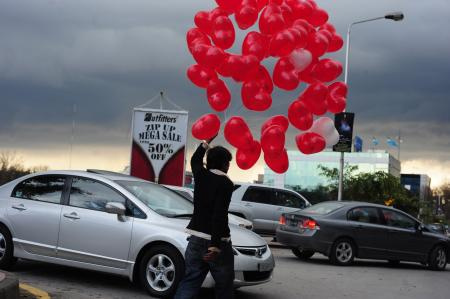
(218, 157)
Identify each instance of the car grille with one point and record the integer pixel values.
(252, 251)
(256, 275)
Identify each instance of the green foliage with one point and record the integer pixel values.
(378, 188)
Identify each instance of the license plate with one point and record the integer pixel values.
(264, 267)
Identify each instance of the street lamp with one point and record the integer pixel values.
(395, 16)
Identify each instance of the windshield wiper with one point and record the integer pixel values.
(182, 215)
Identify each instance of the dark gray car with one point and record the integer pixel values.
(345, 230)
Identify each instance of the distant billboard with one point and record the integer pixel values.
(344, 125)
(159, 145)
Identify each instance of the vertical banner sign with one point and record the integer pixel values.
(344, 125)
(159, 145)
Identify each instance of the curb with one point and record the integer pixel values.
(35, 292)
(9, 286)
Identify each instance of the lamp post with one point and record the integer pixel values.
(396, 16)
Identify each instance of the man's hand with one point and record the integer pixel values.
(212, 254)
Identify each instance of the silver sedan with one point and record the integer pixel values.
(112, 223)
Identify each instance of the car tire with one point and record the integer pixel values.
(302, 254)
(342, 252)
(7, 259)
(438, 258)
(160, 271)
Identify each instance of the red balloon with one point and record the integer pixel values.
(305, 25)
(315, 98)
(327, 70)
(223, 33)
(282, 44)
(284, 75)
(261, 4)
(247, 14)
(263, 77)
(300, 9)
(300, 36)
(327, 34)
(200, 75)
(310, 143)
(305, 75)
(202, 20)
(329, 27)
(299, 116)
(271, 20)
(279, 163)
(195, 37)
(237, 133)
(244, 67)
(336, 104)
(217, 12)
(255, 97)
(338, 89)
(273, 140)
(336, 43)
(286, 12)
(277, 120)
(246, 159)
(219, 96)
(229, 5)
(255, 44)
(209, 56)
(317, 44)
(318, 17)
(206, 127)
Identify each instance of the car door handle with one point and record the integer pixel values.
(19, 207)
(358, 226)
(280, 209)
(248, 205)
(72, 215)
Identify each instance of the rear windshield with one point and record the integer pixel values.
(323, 208)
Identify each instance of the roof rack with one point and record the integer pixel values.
(106, 172)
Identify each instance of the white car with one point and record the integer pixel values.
(112, 223)
(232, 219)
(263, 205)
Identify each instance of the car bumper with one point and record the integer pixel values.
(310, 240)
(249, 270)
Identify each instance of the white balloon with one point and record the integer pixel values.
(332, 139)
(301, 59)
(324, 126)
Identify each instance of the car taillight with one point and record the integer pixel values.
(282, 220)
(309, 224)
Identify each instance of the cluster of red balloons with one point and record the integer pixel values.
(297, 34)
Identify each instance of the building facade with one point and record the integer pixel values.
(304, 169)
(418, 184)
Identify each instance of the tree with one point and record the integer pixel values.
(11, 167)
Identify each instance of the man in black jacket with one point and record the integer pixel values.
(209, 247)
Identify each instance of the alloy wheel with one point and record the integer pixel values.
(2, 246)
(441, 258)
(344, 252)
(160, 272)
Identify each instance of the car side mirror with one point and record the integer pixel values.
(115, 208)
(419, 228)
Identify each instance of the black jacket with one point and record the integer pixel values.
(212, 196)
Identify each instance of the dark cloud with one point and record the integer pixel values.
(107, 56)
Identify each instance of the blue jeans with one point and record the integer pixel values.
(222, 270)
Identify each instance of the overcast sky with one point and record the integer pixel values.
(108, 56)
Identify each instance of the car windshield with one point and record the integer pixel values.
(161, 200)
(323, 208)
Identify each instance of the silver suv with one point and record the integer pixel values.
(263, 205)
(112, 223)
